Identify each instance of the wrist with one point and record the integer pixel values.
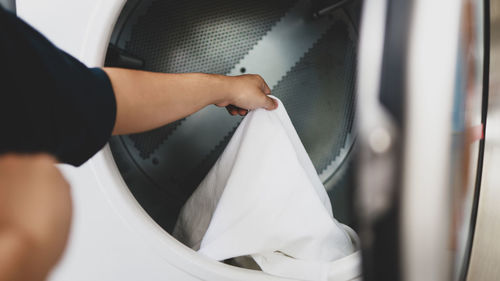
(220, 89)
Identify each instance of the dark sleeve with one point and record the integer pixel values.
(49, 101)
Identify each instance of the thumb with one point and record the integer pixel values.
(270, 103)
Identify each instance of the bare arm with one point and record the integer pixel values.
(147, 100)
(35, 213)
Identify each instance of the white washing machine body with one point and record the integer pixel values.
(112, 237)
(412, 58)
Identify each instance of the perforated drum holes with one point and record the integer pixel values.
(155, 161)
(161, 168)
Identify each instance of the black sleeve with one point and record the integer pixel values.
(49, 101)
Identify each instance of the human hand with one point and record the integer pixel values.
(35, 215)
(246, 92)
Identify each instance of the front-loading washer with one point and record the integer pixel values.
(127, 196)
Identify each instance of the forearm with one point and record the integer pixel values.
(148, 100)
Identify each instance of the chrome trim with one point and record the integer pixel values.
(426, 196)
(371, 198)
(485, 253)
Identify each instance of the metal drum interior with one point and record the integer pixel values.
(308, 61)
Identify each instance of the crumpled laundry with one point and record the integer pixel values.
(264, 199)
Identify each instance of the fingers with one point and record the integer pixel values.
(250, 91)
(231, 109)
(234, 110)
(265, 87)
(242, 111)
(270, 103)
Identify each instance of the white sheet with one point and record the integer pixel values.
(264, 198)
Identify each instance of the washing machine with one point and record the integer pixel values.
(388, 97)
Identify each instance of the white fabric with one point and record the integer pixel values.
(264, 198)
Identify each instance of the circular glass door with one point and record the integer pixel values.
(311, 67)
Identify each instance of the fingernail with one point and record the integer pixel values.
(275, 105)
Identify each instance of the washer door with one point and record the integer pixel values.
(320, 60)
(420, 105)
(308, 62)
